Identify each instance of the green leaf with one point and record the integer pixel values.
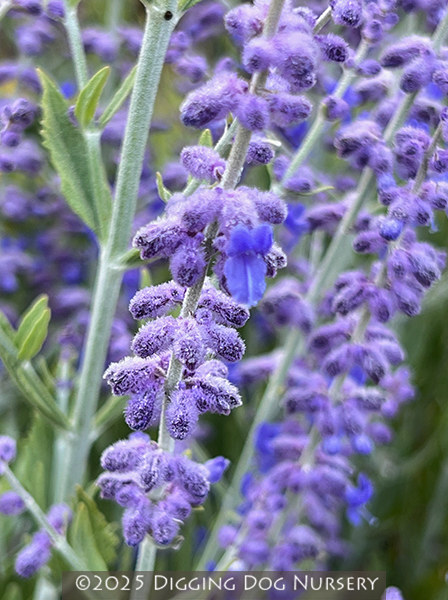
(120, 96)
(91, 536)
(34, 461)
(27, 380)
(29, 318)
(186, 4)
(37, 336)
(90, 96)
(206, 139)
(83, 181)
(13, 592)
(164, 193)
(145, 279)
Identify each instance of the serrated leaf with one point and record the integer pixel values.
(186, 4)
(119, 98)
(164, 193)
(90, 96)
(83, 180)
(92, 537)
(83, 541)
(37, 336)
(29, 318)
(206, 139)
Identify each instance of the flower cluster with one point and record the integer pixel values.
(157, 489)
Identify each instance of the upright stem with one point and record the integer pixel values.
(71, 24)
(109, 275)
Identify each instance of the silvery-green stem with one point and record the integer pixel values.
(73, 29)
(59, 470)
(4, 8)
(109, 275)
(324, 18)
(59, 541)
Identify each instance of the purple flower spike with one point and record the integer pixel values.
(245, 268)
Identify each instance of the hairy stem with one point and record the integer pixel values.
(109, 276)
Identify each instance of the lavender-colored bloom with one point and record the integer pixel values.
(296, 59)
(245, 268)
(216, 467)
(225, 342)
(156, 301)
(212, 101)
(224, 309)
(11, 504)
(188, 263)
(203, 163)
(136, 524)
(335, 108)
(142, 409)
(154, 337)
(259, 152)
(59, 516)
(333, 47)
(288, 109)
(392, 593)
(8, 448)
(347, 12)
(253, 112)
(182, 414)
(159, 239)
(258, 55)
(34, 556)
(164, 528)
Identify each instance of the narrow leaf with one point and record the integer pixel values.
(206, 139)
(37, 336)
(29, 318)
(81, 180)
(164, 193)
(120, 96)
(90, 96)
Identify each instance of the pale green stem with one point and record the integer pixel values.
(109, 275)
(294, 341)
(324, 18)
(73, 29)
(59, 541)
(59, 468)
